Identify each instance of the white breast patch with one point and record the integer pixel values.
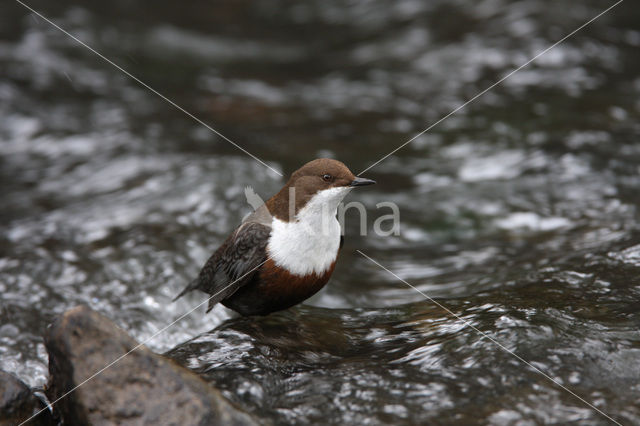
(310, 243)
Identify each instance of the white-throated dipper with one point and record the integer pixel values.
(286, 250)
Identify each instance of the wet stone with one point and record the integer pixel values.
(140, 388)
(18, 403)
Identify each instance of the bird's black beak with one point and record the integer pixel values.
(361, 182)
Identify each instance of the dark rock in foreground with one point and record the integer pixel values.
(141, 388)
(18, 403)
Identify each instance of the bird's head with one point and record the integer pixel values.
(321, 182)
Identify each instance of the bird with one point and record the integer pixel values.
(286, 250)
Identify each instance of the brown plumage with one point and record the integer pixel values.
(275, 289)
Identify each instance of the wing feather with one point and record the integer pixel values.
(234, 264)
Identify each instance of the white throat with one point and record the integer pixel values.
(309, 244)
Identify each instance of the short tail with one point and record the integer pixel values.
(193, 285)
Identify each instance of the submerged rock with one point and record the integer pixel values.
(140, 388)
(18, 403)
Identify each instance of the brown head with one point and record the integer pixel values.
(310, 179)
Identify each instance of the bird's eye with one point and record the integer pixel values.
(327, 178)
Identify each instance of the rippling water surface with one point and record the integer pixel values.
(519, 213)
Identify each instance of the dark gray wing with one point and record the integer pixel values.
(234, 264)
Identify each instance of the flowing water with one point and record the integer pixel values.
(519, 213)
